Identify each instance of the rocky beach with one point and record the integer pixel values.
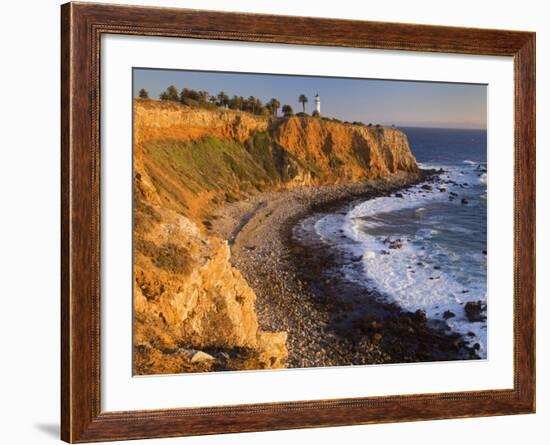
(300, 287)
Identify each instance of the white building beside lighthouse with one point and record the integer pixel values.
(318, 103)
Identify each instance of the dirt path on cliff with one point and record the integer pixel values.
(301, 289)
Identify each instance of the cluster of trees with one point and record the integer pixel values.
(251, 104)
(203, 99)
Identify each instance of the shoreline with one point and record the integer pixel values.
(300, 287)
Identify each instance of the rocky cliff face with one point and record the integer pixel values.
(345, 153)
(192, 310)
(169, 120)
(199, 158)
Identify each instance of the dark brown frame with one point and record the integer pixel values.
(81, 28)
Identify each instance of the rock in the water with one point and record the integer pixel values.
(475, 311)
(448, 314)
(464, 201)
(396, 244)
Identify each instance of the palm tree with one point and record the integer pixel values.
(303, 100)
(223, 99)
(251, 104)
(274, 105)
(287, 110)
(203, 96)
(258, 106)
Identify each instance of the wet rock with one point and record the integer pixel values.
(448, 314)
(453, 194)
(464, 201)
(396, 244)
(475, 311)
(426, 187)
(442, 189)
(399, 195)
(420, 316)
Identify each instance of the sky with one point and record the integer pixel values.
(385, 102)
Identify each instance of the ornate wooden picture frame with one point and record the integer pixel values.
(82, 26)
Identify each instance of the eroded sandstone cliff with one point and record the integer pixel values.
(192, 310)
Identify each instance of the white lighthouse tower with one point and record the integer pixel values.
(318, 104)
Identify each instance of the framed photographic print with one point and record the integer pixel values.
(276, 222)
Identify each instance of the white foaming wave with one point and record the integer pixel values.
(467, 161)
(395, 272)
(408, 278)
(413, 197)
(417, 197)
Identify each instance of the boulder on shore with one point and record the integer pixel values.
(475, 311)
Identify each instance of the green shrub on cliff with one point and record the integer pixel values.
(207, 164)
(226, 166)
(171, 93)
(287, 110)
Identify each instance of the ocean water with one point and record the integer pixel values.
(427, 249)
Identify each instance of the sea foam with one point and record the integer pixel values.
(421, 271)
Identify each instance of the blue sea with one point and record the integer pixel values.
(426, 248)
